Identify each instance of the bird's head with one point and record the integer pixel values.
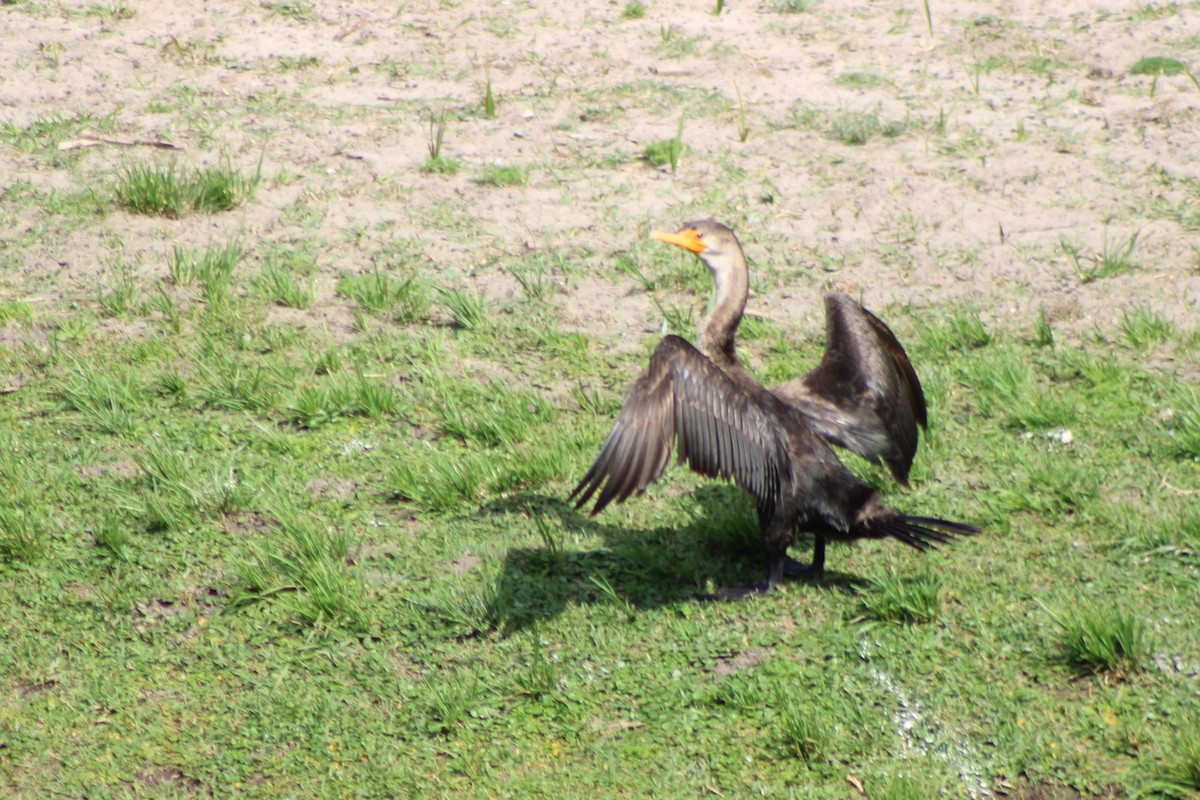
(712, 241)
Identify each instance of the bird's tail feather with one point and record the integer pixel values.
(926, 533)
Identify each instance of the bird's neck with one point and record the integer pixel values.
(717, 337)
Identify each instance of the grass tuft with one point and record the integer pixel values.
(170, 190)
(306, 565)
(1178, 776)
(1116, 258)
(466, 307)
(858, 128)
(379, 292)
(1144, 329)
(806, 730)
(1104, 641)
(280, 285)
(22, 534)
(440, 480)
(436, 162)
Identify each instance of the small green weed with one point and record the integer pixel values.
(1115, 258)
(673, 44)
(502, 175)
(535, 276)
(121, 292)
(901, 787)
(437, 136)
(634, 10)
(666, 151)
(113, 537)
(1043, 331)
(152, 189)
(110, 401)
(489, 100)
(300, 10)
(743, 126)
(1157, 65)
(861, 80)
(307, 563)
(1185, 425)
(961, 329)
(795, 6)
(451, 700)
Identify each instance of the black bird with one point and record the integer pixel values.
(774, 443)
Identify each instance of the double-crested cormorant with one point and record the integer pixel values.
(774, 443)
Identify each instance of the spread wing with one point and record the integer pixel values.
(864, 395)
(684, 402)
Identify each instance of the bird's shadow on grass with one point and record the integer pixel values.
(638, 568)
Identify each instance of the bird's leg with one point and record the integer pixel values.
(794, 570)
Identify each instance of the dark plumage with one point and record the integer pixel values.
(774, 443)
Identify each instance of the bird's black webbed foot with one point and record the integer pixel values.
(795, 570)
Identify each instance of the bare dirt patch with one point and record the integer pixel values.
(1010, 131)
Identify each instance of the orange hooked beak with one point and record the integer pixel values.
(687, 238)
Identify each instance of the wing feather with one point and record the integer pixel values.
(864, 395)
(684, 403)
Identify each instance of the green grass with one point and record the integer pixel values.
(383, 514)
(910, 599)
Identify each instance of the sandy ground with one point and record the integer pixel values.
(1022, 129)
